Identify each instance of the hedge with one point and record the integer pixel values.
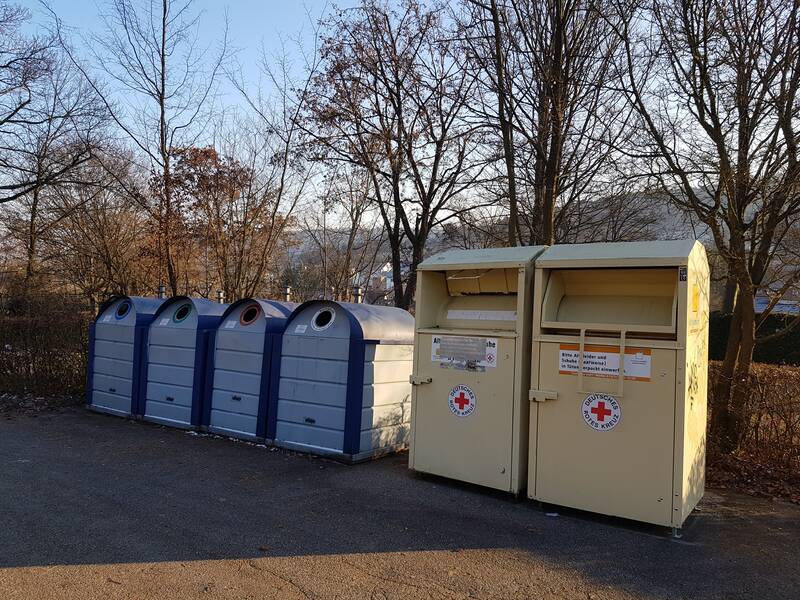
(783, 351)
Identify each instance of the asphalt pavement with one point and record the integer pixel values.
(93, 506)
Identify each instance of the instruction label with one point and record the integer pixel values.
(465, 353)
(603, 361)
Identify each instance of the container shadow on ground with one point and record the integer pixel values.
(79, 488)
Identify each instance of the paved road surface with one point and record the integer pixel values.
(98, 507)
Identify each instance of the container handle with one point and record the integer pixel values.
(457, 277)
(581, 346)
(621, 373)
(621, 370)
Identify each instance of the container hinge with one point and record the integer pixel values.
(542, 395)
(416, 380)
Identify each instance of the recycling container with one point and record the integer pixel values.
(471, 366)
(245, 348)
(116, 354)
(618, 379)
(343, 388)
(177, 355)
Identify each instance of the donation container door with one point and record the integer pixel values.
(605, 442)
(600, 451)
(464, 415)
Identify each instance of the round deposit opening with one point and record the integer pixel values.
(184, 310)
(123, 309)
(250, 314)
(323, 319)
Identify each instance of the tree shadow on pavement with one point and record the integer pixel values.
(79, 488)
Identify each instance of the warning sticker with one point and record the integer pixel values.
(230, 325)
(464, 353)
(300, 328)
(462, 401)
(601, 411)
(164, 322)
(106, 319)
(603, 361)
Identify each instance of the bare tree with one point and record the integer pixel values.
(549, 65)
(45, 114)
(156, 82)
(276, 150)
(391, 100)
(100, 247)
(61, 133)
(487, 41)
(715, 85)
(235, 208)
(353, 246)
(482, 227)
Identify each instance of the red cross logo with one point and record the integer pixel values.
(601, 412)
(461, 400)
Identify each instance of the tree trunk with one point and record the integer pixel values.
(165, 151)
(172, 275)
(506, 130)
(731, 390)
(721, 427)
(397, 273)
(411, 283)
(30, 262)
(740, 385)
(411, 288)
(730, 295)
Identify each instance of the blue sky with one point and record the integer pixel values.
(273, 23)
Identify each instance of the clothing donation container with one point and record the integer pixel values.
(618, 379)
(471, 363)
(246, 350)
(177, 354)
(116, 354)
(343, 389)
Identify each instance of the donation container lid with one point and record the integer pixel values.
(484, 258)
(375, 323)
(668, 253)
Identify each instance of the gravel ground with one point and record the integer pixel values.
(99, 507)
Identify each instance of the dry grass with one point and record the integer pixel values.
(768, 461)
(43, 347)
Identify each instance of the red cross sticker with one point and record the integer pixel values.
(461, 400)
(601, 412)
